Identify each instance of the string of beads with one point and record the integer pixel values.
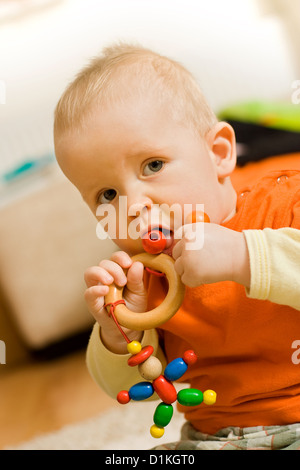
(150, 369)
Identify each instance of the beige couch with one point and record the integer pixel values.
(48, 238)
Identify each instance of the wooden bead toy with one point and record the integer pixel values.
(163, 386)
(162, 313)
(150, 368)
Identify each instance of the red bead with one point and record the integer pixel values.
(154, 242)
(189, 357)
(165, 390)
(123, 397)
(140, 357)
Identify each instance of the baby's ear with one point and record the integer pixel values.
(222, 145)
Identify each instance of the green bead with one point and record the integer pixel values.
(163, 414)
(190, 397)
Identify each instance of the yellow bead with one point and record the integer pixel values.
(134, 347)
(151, 368)
(209, 397)
(156, 431)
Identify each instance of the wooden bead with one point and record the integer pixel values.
(156, 431)
(123, 397)
(209, 397)
(165, 390)
(134, 347)
(197, 216)
(190, 397)
(163, 414)
(189, 357)
(141, 356)
(141, 391)
(151, 368)
(175, 369)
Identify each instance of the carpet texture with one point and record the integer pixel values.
(121, 428)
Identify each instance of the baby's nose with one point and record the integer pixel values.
(139, 209)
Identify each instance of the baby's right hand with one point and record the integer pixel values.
(98, 278)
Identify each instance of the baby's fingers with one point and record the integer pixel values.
(115, 270)
(135, 277)
(177, 250)
(179, 267)
(94, 297)
(96, 275)
(122, 258)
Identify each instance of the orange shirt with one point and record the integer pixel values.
(244, 346)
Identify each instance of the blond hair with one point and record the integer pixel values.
(126, 70)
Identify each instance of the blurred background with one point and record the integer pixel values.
(245, 56)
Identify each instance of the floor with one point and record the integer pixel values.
(44, 396)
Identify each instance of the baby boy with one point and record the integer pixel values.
(135, 126)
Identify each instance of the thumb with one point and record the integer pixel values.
(135, 275)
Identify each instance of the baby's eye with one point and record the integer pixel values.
(153, 167)
(107, 196)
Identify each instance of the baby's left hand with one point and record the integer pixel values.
(208, 253)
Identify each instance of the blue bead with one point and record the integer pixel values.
(175, 369)
(141, 391)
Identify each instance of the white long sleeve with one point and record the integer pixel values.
(275, 265)
(111, 371)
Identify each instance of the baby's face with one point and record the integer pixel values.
(137, 163)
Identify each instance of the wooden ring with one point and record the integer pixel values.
(160, 314)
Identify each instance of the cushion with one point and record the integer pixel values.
(48, 239)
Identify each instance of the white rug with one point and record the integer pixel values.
(125, 427)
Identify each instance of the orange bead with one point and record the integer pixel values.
(165, 390)
(197, 216)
